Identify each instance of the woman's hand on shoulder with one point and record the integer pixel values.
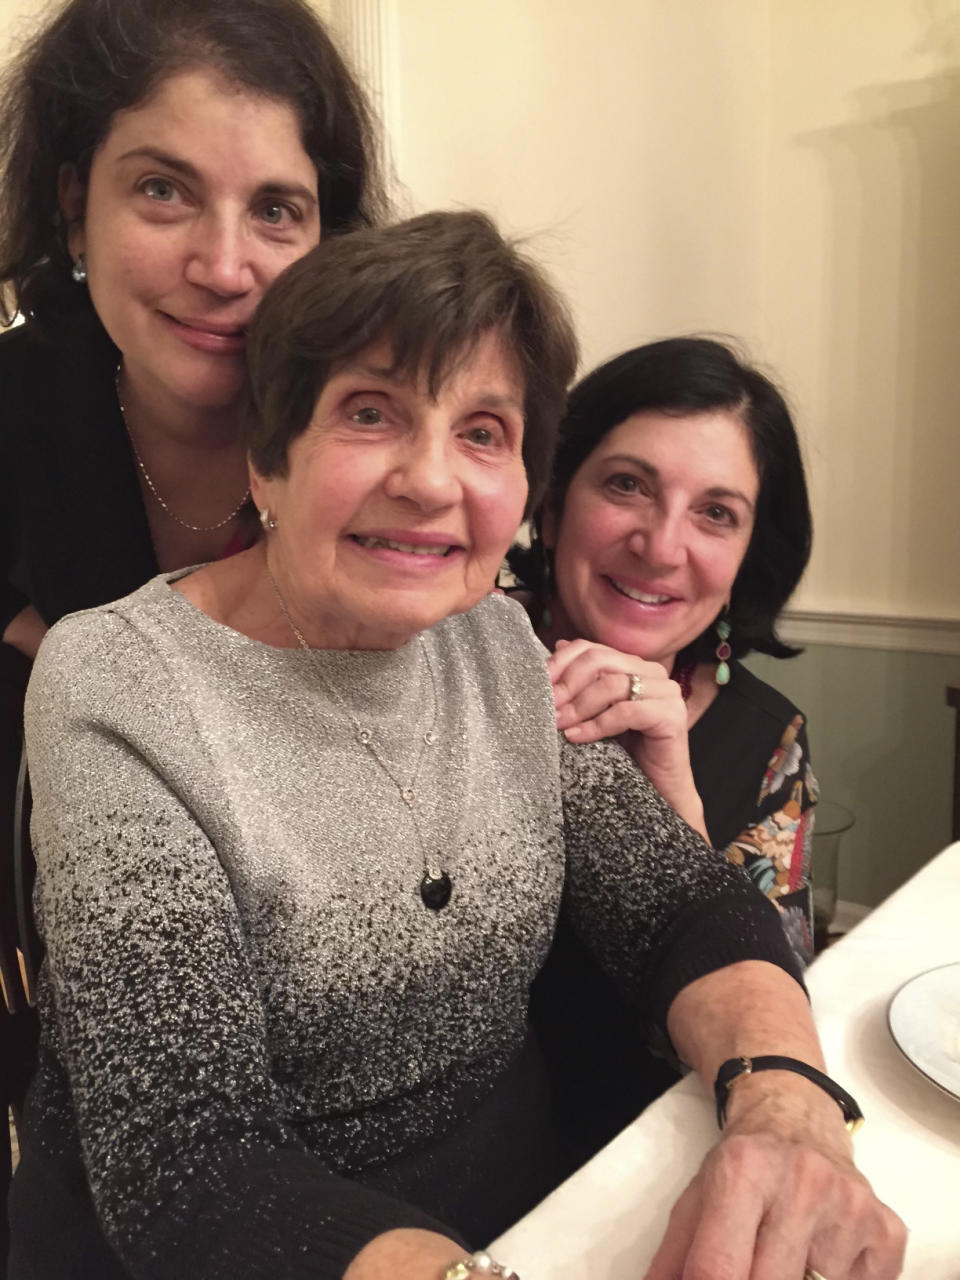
(592, 687)
(602, 693)
(779, 1193)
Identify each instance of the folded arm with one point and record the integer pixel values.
(779, 1192)
(705, 958)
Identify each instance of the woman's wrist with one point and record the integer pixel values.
(693, 815)
(789, 1105)
(738, 1068)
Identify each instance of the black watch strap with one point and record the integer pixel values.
(734, 1068)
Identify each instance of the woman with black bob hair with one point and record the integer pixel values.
(681, 377)
(676, 527)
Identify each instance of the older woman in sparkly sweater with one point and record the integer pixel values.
(304, 828)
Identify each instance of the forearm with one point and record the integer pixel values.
(746, 1010)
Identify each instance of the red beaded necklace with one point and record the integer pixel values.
(683, 674)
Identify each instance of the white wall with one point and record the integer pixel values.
(594, 126)
(862, 280)
(17, 19)
(781, 170)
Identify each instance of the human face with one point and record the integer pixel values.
(397, 508)
(654, 528)
(197, 199)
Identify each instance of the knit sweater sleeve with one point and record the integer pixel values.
(156, 1011)
(657, 906)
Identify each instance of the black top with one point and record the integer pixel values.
(731, 746)
(73, 531)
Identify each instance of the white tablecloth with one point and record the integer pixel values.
(607, 1220)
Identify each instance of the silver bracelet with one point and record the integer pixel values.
(478, 1264)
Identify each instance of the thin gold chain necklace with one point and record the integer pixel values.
(436, 885)
(185, 524)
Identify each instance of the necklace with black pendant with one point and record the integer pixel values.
(436, 887)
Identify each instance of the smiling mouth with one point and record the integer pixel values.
(410, 548)
(210, 328)
(641, 597)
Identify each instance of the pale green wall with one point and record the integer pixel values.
(881, 738)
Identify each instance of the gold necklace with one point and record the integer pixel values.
(435, 885)
(194, 528)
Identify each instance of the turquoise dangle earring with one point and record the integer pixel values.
(723, 649)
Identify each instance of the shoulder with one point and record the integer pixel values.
(25, 348)
(89, 656)
(22, 353)
(498, 624)
(35, 370)
(495, 648)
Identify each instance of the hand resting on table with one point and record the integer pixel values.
(779, 1192)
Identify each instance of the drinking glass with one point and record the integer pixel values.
(831, 820)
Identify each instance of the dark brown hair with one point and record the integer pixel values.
(680, 377)
(433, 287)
(97, 57)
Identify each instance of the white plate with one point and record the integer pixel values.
(924, 1020)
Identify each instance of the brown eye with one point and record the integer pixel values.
(623, 483)
(719, 514)
(368, 416)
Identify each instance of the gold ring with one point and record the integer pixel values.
(636, 688)
(810, 1274)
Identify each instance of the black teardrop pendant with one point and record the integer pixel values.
(435, 889)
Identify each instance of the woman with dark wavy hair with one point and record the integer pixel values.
(161, 164)
(161, 161)
(676, 527)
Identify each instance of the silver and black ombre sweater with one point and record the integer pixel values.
(258, 1042)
